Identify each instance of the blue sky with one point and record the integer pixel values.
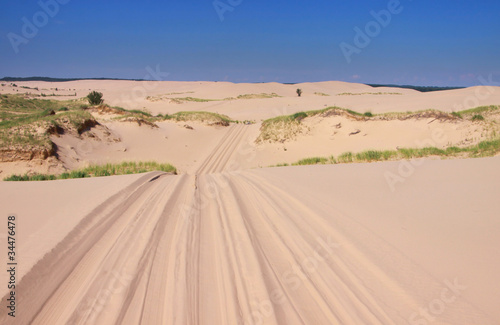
(426, 42)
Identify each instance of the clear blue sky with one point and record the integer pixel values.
(428, 42)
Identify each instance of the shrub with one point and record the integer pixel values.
(478, 117)
(299, 116)
(95, 98)
(368, 114)
(299, 92)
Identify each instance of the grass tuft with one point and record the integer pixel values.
(478, 117)
(200, 116)
(311, 161)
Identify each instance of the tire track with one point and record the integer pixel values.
(320, 287)
(235, 268)
(120, 247)
(222, 248)
(218, 160)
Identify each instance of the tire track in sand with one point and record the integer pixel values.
(220, 247)
(220, 157)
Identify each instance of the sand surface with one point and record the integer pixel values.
(225, 242)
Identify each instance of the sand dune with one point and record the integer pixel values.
(306, 245)
(224, 242)
(134, 94)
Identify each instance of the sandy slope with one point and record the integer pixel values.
(303, 245)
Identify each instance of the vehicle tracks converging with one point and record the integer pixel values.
(222, 246)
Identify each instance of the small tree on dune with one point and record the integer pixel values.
(299, 92)
(95, 98)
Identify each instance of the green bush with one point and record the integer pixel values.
(478, 117)
(95, 98)
(299, 116)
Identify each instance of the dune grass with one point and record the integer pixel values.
(180, 100)
(487, 148)
(480, 110)
(311, 161)
(286, 127)
(23, 103)
(257, 96)
(124, 168)
(29, 178)
(25, 123)
(200, 116)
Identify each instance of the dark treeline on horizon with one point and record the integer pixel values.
(418, 88)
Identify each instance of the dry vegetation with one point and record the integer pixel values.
(181, 100)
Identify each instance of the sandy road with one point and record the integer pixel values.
(225, 246)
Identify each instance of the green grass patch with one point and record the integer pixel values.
(201, 116)
(258, 96)
(478, 117)
(25, 178)
(27, 123)
(311, 161)
(138, 111)
(124, 168)
(487, 148)
(480, 110)
(346, 157)
(192, 99)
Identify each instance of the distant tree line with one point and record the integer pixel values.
(48, 79)
(423, 89)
